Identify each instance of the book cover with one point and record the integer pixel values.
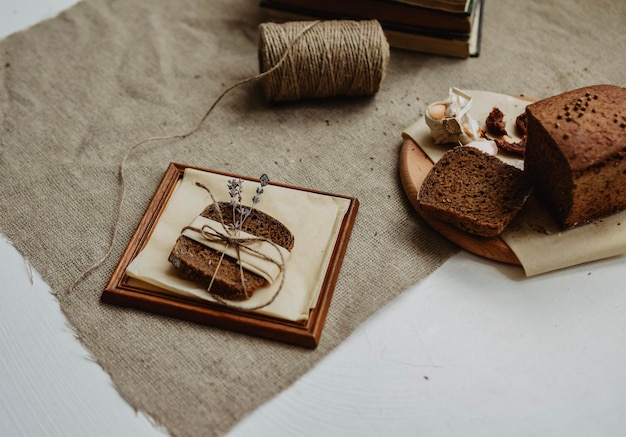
(385, 11)
(401, 36)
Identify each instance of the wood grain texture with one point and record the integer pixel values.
(123, 290)
(414, 166)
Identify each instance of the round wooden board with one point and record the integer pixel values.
(414, 166)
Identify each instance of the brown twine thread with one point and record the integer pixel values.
(229, 238)
(335, 58)
(285, 57)
(122, 167)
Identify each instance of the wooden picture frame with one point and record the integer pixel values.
(121, 290)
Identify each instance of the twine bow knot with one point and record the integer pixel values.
(232, 238)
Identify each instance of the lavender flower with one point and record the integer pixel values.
(235, 190)
(264, 180)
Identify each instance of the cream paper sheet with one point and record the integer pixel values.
(533, 236)
(314, 219)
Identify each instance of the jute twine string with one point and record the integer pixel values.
(342, 77)
(335, 58)
(231, 238)
(122, 167)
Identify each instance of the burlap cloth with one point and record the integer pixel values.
(76, 91)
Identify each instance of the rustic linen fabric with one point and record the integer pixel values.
(78, 90)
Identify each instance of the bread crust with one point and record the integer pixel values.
(198, 263)
(576, 153)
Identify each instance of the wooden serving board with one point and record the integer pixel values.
(414, 166)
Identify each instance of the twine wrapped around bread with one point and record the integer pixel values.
(360, 48)
(333, 58)
(232, 238)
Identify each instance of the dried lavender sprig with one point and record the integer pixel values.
(235, 190)
(263, 181)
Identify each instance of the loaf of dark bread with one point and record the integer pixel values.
(576, 153)
(474, 191)
(198, 263)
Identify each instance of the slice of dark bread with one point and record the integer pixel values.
(197, 262)
(474, 191)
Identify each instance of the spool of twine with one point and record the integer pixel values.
(332, 58)
(302, 59)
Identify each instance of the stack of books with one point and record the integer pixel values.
(442, 27)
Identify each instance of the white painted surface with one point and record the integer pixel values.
(18, 15)
(474, 350)
(49, 385)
